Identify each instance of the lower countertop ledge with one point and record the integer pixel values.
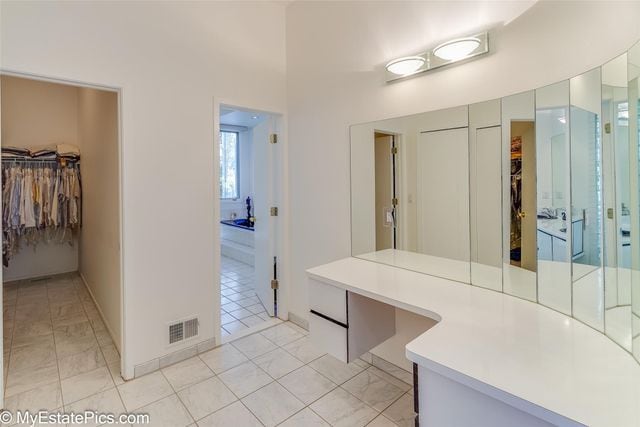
(521, 353)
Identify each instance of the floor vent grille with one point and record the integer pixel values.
(182, 330)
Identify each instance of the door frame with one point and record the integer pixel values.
(282, 231)
(125, 370)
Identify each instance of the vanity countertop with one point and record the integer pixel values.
(554, 226)
(522, 353)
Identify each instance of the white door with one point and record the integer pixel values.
(266, 167)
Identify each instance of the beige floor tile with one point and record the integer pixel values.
(87, 384)
(235, 414)
(80, 363)
(144, 390)
(245, 379)
(307, 384)
(28, 379)
(47, 397)
(223, 358)
(186, 373)
(32, 355)
(305, 418)
(272, 404)
(235, 326)
(114, 369)
(373, 390)
(277, 363)
(252, 320)
(335, 370)
(254, 345)
(167, 412)
(282, 334)
(342, 409)
(206, 397)
(382, 421)
(110, 353)
(304, 350)
(401, 412)
(106, 402)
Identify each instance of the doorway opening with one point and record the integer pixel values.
(386, 198)
(62, 277)
(249, 193)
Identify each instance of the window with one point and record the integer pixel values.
(229, 161)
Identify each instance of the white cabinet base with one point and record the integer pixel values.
(444, 402)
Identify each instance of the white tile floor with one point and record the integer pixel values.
(240, 307)
(57, 351)
(58, 358)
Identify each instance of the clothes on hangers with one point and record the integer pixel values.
(42, 201)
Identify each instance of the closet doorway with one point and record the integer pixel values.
(61, 227)
(249, 188)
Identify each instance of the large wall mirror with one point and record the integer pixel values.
(536, 195)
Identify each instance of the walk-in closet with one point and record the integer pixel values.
(61, 236)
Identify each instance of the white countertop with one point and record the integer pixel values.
(532, 357)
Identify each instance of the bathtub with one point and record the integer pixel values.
(236, 241)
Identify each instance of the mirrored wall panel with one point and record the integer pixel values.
(555, 227)
(519, 195)
(617, 198)
(633, 74)
(536, 195)
(485, 194)
(587, 198)
(399, 216)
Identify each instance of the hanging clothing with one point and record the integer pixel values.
(42, 201)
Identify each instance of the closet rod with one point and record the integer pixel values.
(59, 161)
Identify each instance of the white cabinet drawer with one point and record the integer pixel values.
(328, 337)
(328, 300)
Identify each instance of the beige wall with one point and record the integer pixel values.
(100, 236)
(39, 113)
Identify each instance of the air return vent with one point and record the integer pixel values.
(182, 330)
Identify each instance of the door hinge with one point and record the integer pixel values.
(394, 150)
(394, 201)
(607, 128)
(273, 138)
(274, 284)
(274, 211)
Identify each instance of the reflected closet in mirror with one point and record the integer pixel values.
(519, 194)
(586, 199)
(554, 227)
(616, 197)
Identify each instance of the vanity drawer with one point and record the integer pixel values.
(328, 337)
(328, 300)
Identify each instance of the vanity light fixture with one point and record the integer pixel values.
(406, 66)
(457, 49)
(446, 53)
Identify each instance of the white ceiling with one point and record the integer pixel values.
(237, 117)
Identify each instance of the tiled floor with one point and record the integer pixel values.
(59, 357)
(241, 308)
(57, 351)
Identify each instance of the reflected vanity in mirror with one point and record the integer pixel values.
(555, 227)
(586, 198)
